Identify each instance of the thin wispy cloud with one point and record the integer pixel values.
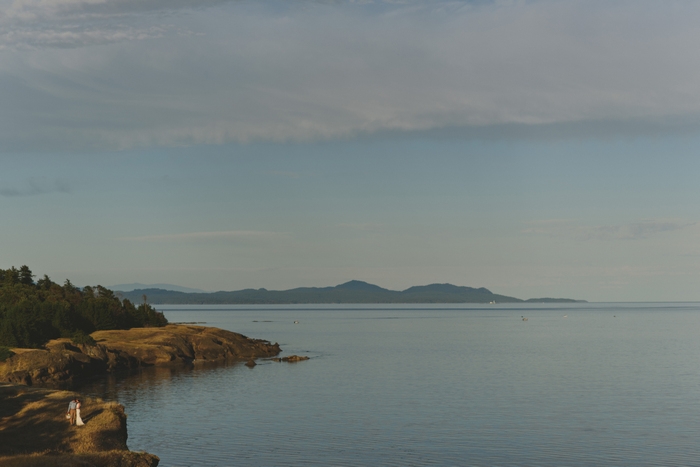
(36, 187)
(78, 37)
(215, 235)
(34, 11)
(363, 226)
(631, 231)
(109, 74)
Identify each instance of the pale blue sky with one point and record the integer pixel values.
(536, 148)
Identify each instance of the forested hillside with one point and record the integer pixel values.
(32, 313)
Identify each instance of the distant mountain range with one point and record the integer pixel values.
(349, 292)
(138, 285)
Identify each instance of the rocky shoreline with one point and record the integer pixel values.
(33, 429)
(63, 362)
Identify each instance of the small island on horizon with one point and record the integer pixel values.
(352, 292)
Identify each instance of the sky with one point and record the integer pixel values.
(538, 148)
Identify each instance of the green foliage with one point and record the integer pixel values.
(33, 313)
(5, 353)
(81, 338)
(25, 276)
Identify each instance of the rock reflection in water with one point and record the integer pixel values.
(119, 386)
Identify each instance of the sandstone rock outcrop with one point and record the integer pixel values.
(62, 361)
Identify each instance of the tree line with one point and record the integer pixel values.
(32, 313)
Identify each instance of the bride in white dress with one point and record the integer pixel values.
(78, 420)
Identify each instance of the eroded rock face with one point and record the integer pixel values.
(63, 361)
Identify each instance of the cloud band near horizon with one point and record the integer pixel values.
(228, 234)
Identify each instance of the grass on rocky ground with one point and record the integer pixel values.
(101, 459)
(33, 421)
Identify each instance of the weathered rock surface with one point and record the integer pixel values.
(62, 361)
(32, 422)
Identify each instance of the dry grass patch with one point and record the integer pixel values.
(33, 420)
(145, 335)
(100, 459)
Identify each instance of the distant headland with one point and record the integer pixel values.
(354, 291)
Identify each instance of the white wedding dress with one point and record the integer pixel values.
(78, 420)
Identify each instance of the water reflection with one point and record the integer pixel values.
(118, 386)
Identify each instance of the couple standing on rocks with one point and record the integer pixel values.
(74, 412)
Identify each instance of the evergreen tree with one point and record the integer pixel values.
(11, 276)
(25, 276)
(33, 313)
(44, 283)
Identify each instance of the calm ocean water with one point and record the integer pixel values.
(574, 385)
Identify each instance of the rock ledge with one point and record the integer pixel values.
(62, 361)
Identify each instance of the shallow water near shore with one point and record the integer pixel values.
(574, 385)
